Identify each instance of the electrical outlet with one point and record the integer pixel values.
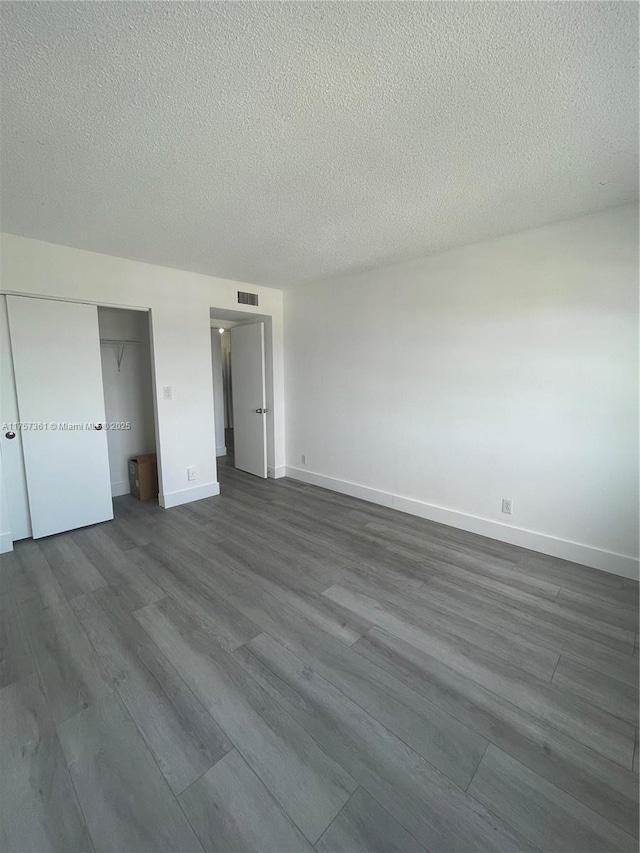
(303, 458)
(192, 474)
(507, 506)
(167, 393)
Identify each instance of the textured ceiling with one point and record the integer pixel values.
(278, 143)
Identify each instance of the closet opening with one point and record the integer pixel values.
(127, 378)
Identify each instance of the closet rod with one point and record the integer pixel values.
(121, 344)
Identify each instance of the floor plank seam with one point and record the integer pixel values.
(321, 747)
(484, 752)
(117, 689)
(75, 791)
(581, 849)
(550, 725)
(368, 714)
(555, 669)
(240, 748)
(386, 810)
(335, 818)
(55, 728)
(33, 658)
(161, 775)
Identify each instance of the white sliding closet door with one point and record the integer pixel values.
(56, 357)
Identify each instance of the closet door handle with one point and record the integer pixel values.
(9, 435)
(97, 426)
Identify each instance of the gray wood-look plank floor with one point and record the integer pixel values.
(283, 668)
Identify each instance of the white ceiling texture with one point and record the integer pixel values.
(279, 143)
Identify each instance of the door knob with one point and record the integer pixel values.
(261, 411)
(97, 426)
(9, 435)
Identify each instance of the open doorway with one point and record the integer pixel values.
(222, 388)
(242, 366)
(127, 379)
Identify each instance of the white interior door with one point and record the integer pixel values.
(249, 399)
(58, 373)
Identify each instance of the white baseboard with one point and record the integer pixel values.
(608, 561)
(185, 496)
(277, 473)
(6, 542)
(119, 488)
(221, 451)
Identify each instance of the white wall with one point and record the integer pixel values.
(218, 391)
(181, 343)
(503, 369)
(128, 392)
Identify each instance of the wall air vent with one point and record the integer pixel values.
(247, 298)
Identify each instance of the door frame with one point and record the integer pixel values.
(274, 393)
